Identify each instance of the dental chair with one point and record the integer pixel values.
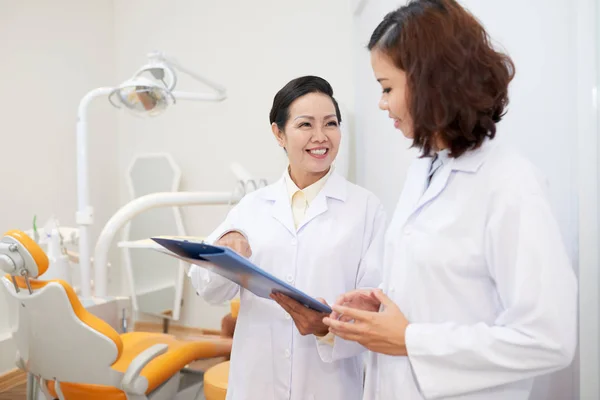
(76, 355)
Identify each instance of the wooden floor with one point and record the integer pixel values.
(19, 392)
(18, 384)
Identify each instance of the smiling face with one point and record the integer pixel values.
(311, 137)
(394, 97)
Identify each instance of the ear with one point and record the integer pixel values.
(279, 135)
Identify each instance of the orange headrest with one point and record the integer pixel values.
(34, 250)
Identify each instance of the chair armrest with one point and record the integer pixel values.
(131, 382)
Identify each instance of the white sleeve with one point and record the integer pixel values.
(214, 288)
(535, 333)
(368, 276)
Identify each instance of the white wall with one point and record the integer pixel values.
(251, 47)
(540, 35)
(588, 76)
(52, 54)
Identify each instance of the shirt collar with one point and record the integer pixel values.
(310, 192)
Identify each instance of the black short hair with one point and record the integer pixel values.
(293, 90)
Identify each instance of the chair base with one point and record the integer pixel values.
(185, 385)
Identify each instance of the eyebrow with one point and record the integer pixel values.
(313, 118)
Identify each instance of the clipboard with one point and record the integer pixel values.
(238, 269)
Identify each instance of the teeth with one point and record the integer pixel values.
(318, 152)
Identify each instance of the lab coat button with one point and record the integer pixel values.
(290, 278)
(287, 353)
(294, 242)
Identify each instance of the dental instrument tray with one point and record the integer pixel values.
(232, 266)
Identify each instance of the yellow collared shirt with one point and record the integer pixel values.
(300, 199)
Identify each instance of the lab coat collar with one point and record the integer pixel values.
(469, 162)
(335, 188)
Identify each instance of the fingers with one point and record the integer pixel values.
(246, 250)
(347, 297)
(345, 318)
(353, 313)
(347, 335)
(236, 242)
(335, 315)
(344, 329)
(282, 303)
(321, 300)
(289, 302)
(382, 298)
(292, 307)
(341, 300)
(307, 321)
(239, 246)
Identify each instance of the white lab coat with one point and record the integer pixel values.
(477, 265)
(339, 247)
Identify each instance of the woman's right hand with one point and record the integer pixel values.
(361, 299)
(236, 242)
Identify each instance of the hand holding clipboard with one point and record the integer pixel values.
(229, 264)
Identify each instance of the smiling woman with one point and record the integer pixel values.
(319, 233)
(305, 119)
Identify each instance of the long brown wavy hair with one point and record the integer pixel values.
(457, 81)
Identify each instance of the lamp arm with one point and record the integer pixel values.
(179, 95)
(213, 85)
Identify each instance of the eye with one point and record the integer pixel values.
(304, 124)
(387, 90)
(332, 123)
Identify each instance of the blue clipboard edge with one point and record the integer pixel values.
(171, 243)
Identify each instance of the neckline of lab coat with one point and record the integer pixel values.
(469, 162)
(335, 188)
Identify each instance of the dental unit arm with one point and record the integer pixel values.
(164, 199)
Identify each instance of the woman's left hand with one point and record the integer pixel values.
(382, 332)
(307, 321)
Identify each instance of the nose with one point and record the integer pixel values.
(319, 136)
(383, 104)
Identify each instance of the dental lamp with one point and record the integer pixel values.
(148, 93)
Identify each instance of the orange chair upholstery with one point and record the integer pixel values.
(79, 356)
(215, 381)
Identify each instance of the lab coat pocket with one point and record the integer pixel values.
(254, 327)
